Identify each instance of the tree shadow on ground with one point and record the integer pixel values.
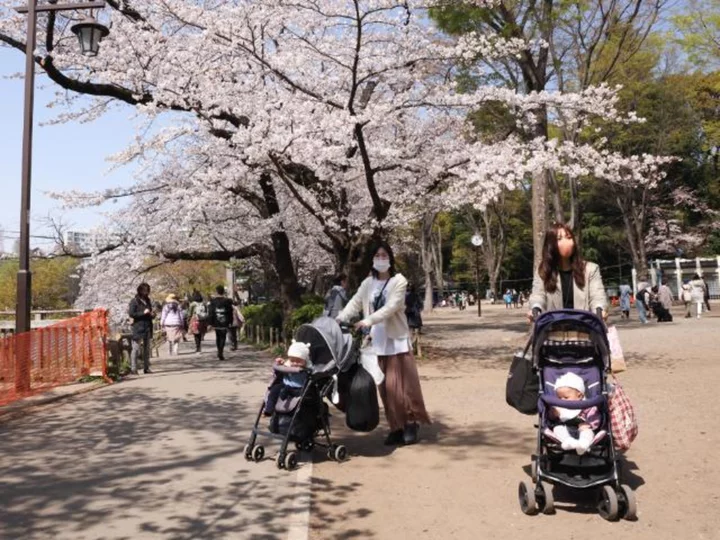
(145, 458)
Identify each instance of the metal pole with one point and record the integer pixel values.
(477, 280)
(24, 281)
(24, 277)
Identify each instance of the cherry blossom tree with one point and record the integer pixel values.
(300, 129)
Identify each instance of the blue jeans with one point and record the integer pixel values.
(642, 313)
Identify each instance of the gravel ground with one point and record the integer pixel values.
(461, 480)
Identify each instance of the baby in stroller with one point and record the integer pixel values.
(574, 428)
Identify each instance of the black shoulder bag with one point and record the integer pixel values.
(523, 383)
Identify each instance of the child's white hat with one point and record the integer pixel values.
(299, 350)
(570, 380)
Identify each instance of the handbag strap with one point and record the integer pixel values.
(378, 299)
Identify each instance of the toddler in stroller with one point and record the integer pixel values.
(573, 428)
(574, 441)
(294, 400)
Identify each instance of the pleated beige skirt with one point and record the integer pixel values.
(400, 391)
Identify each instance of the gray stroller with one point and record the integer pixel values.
(297, 412)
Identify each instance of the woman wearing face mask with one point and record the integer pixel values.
(564, 280)
(381, 301)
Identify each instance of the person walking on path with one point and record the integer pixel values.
(698, 293)
(172, 322)
(142, 314)
(198, 319)
(625, 293)
(237, 321)
(221, 314)
(381, 300)
(707, 293)
(564, 280)
(336, 297)
(687, 298)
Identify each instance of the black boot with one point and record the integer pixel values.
(394, 438)
(410, 433)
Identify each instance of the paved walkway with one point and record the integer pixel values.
(156, 456)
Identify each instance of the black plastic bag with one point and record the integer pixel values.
(362, 411)
(523, 384)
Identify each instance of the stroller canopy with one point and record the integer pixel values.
(576, 319)
(328, 345)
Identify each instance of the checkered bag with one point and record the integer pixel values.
(623, 422)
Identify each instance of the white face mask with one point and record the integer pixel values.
(381, 265)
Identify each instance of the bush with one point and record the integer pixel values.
(268, 315)
(304, 315)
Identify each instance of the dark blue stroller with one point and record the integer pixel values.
(571, 341)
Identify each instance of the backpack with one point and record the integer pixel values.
(222, 317)
(201, 311)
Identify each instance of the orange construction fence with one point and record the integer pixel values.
(62, 353)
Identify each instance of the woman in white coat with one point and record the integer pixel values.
(381, 301)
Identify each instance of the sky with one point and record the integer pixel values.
(65, 156)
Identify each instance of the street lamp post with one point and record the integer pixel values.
(90, 32)
(477, 241)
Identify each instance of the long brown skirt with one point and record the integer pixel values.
(400, 391)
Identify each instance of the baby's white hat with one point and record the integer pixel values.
(299, 349)
(570, 380)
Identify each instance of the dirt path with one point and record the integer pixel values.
(461, 481)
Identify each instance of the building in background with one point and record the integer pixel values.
(87, 242)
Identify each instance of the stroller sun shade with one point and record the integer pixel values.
(328, 345)
(575, 320)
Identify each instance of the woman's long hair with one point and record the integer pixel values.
(550, 263)
(384, 245)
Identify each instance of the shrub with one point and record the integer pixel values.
(304, 315)
(268, 315)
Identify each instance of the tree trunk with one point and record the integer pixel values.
(539, 215)
(426, 256)
(284, 268)
(634, 219)
(437, 260)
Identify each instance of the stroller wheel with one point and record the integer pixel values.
(629, 502)
(280, 461)
(544, 492)
(340, 453)
(290, 461)
(608, 505)
(258, 453)
(526, 496)
(247, 452)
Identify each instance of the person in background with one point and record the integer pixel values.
(707, 293)
(221, 316)
(172, 322)
(336, 297)
(198, 315)
(625, 294)
(142, 314)
(664, 295)
(642, 301)
(237, 321)
(686, 296)
(698, 293)
(413, 308)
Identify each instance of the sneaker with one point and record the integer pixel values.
(147, 370)
(394, 438)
